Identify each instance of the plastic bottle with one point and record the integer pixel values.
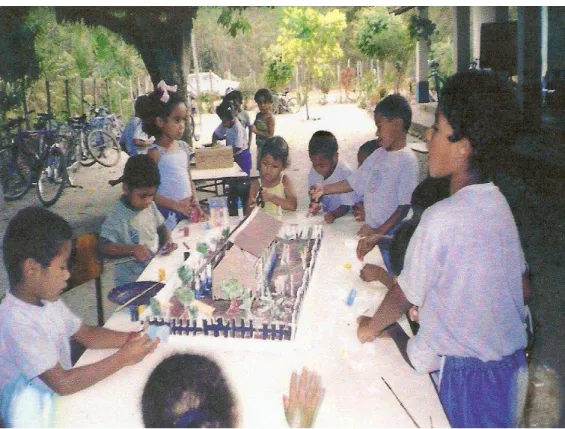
(239, 208)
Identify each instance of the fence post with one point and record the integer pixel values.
(48, 96)
(108, 95)
(81, 96)
(68, 101)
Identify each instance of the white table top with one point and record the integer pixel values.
(217, 173)
(259, 371)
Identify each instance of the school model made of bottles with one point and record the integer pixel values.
(219, 214)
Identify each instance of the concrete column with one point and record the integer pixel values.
(461, 37)
(529, 64)
(480, 15)
(422, 85)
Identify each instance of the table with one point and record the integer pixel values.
(259, 371)
(218, 177)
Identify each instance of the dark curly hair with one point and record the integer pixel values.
(187, 390)
(225, 111)
(265, 93)
(323, 143)
(151, 107)
(277, 147)
(480, 106)
(396, 106)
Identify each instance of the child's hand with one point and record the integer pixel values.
(366, 244)
(142, 253)
(329, 217)
(365, 332)
(365, 231)
(136, 348)
(359, 212)
(372, 272)
(202, 216)
(303, 400)
(317, 191)
(413, 314)
(168, 248)
(314, 208)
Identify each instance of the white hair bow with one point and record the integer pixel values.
(166, 88)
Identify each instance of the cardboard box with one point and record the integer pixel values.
(218, 157)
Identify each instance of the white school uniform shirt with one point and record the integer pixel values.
(463, 268)
(34, 339)
(236, 136)
(385, 181)
(331, 202)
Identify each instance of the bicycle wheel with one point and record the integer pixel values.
(53, 177)
(293, 106)
(15, 172)
(103, 147)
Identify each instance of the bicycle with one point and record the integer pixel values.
(438, 81)
(283, 104)
(15, 166)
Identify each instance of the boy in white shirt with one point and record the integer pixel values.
(36, 326)
(465, 266)
(327, 168)
(388, 176)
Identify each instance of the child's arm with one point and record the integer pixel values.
(218, 134)
(118, 250)
(400, 338)
(393, 306)
(332, 215)
(372, 272)
(399, 214)
(270, 121)
(165, 240)
(66, 382)
(319, 189)
(289, 202)
(253, 191)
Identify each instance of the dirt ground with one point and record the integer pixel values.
(539, 216)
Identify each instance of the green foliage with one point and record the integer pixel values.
(16, 44)
(327, 78)
(310, 38)
(185, 295)
(420, 28)
(383, 36)
(232, 288)
(278, 72)
(233, 24)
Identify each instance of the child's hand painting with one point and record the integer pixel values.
(366, 244)
(136, 348)
(142, 253)
(317, 191)
(359, 212)
(168, 248)
(365, 231)
(314, 208)
(372, 272)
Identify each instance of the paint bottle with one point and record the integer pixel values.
(239, 209)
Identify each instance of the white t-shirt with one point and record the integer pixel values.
(236, 136)
(331, 202)
(34, 339)
(385, 181)
(463, 268)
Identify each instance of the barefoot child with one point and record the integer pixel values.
(273, 191)
(465, 267)
(35, 324)
(264, 125)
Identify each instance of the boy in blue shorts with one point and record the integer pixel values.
(464, 267)
(388, 176)
(35, 324)
(327, 168)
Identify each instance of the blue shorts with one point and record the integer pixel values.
(243, 159)
(484, 394)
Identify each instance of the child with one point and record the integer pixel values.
(36, 326)
(133, 140)
(388, 176)
(164, 116)
(465, 266)
(135, 227)
(326, 169)
(273, 191)
(234, 133)
(427, 193)
(363, 153)
(235, 98)
(188, 390)
(264, 125)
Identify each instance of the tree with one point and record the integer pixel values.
(312, 40)
(385, 38)
(278, 72)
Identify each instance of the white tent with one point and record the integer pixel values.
(209, 82)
